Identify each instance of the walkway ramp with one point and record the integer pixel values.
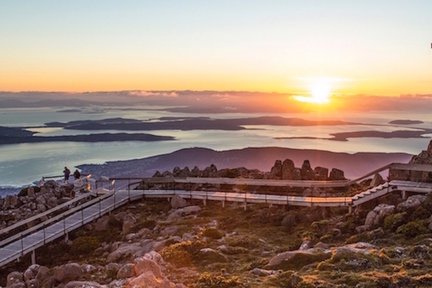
(27, 241)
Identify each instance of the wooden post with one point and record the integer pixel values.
(223, 203)
(33, 257)
(404, 196)
(350, 209)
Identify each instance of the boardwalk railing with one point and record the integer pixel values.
(47, 213)
(121, 191)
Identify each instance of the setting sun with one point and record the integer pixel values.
(320, 91)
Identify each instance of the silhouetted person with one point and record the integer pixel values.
(66, 173)
(77, 174)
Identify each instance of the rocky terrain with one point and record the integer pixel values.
(34, 200)
(155, 243)
(285, 170)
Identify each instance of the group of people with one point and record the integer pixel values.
(67, 172)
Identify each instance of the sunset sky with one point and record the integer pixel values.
(366, 47)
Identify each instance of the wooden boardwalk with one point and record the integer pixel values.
(24, 242)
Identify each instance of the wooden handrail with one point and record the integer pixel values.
(54, 219)
(46, 213)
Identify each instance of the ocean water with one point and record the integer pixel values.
(21, 164)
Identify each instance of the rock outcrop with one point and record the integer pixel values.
(284, 170)
(33, 200)
(424, 157)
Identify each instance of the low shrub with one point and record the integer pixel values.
(393, 221)
(420, 213)
(413, 228)
(249, 242)
(213, 233)
(208, 280)
(85, 245)
(182, 254)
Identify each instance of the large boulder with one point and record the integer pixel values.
(126, 271)
(209, 255)
(377, 180)
(31, 272)
(149, 275)
(276, 170)
(183, 212)
(337, 174)
(411, 202)
(178, 202)
(102, 223)
(288, 169)
(195, 172)
(289, 220)
(307, 173)
(128, 222)
(321, 173)
(84, 284)
(130, 250)
(67, 272)
(210, 171)
(298, 258)
(15, 279)
(377, 215)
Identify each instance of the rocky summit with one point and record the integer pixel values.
(156, 243)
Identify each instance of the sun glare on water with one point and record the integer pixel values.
(320, 91)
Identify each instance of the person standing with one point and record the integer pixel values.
(77, 174)
(66, 173)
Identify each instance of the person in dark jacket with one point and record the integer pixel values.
(66, 173)
(77, 174)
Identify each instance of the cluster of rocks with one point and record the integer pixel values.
(284, 170)
(33, 200)
(212, 172)
(424, 157)
(145, 271)
(376, 216)
(133, 262)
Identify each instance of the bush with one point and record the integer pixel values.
(413, 228)
(249, 242)
(207, 280)
(321, 225)
(182, 254)
(85, 245)
(393, 221)
(213, 233)
(420, 213)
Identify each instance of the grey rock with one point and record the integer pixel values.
(67, 272)
(262, 272)
(126, 271)
(15, 278)
(183, 212)
(378, 214)
(84, 284)
(178, 202)
(412, 202)
(337, 174)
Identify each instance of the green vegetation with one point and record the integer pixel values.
(393, 221)
(212, 233)
(85, 245)
(208, 280)
(413, 228)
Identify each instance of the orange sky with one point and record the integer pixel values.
(376, 48)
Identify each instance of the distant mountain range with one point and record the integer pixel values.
(263, 158)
